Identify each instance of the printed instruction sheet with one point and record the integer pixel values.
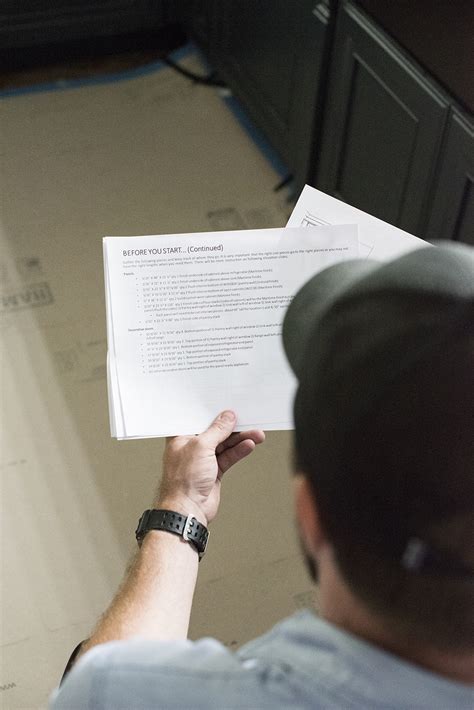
(194, 325)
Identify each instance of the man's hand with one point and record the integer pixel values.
(155, 598)
(193, 467)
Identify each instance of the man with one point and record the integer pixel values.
(384, 491)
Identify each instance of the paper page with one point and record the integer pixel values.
(196, 324)
(377, 239)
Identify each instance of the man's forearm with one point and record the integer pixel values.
(156, 597)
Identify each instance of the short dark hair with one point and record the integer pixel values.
(405, 470)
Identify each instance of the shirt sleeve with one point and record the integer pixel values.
(92, 683)
(77, 688)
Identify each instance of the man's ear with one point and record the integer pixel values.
(308, 516)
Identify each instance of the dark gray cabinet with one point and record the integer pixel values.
(383, 126)
(452, 204)
(272, 55)
(198, 16)
(348, 108)
(256, 50)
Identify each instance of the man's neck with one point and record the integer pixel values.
(339, 606)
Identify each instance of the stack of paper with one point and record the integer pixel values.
(194, 320)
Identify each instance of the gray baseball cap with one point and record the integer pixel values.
(355, 329)
(421, 296)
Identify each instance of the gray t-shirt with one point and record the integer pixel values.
(303, 662)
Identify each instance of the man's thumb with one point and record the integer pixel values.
(220, 429)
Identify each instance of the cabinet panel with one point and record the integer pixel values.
(307, 107)
(383, 126)
(375, 117)
(272, 55)
(199, 16)
(452, 209)
(258, 45)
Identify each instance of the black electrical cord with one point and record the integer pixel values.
(210, 80)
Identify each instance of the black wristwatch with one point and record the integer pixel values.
(187, 526)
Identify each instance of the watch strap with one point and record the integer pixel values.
(188, 527)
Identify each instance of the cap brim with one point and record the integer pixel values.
(313, 300)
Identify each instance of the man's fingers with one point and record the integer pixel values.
(220, 429)
(235, 454)
(256, 435)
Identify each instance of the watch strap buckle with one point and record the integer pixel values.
(188, 523)
(201, 544)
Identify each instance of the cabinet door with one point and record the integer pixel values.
(198, 16)
(383, 126)
(270, 54)
(452, 207)
(310, 75)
